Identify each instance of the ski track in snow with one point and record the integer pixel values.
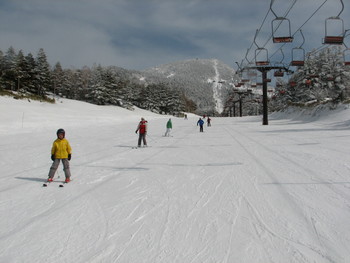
(239, 192)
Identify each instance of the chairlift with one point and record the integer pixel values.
(313, 76)
(308, 82)
(245, 76)
(281, 31)
(280, 65)
(298, 54)
(277, 36)
(261, 54)
(334, 29)
(346, 55)
(292, 84)
(298, 57)
(278, 73)
(261, 57)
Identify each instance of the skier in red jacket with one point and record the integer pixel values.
(142, 129)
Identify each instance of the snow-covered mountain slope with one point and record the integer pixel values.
(205, 81)
(239, 192)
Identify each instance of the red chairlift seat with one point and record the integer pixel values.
(283, 39)
(298, 63)
(313, 76)
(333, 40)
(308, 82)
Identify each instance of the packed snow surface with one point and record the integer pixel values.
(238, 192)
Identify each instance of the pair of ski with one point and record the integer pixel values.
(139, 147)
(60, 185)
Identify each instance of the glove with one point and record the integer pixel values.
(136, 132)
(52, 157)
(69, 157)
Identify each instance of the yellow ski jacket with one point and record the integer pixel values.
(61, 148)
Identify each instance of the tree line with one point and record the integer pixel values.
(28, 74)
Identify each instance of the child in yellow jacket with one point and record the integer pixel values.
(60, 150)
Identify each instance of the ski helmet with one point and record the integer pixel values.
(61, 131)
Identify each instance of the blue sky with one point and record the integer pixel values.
(139, 34)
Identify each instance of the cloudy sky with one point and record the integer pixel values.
(139, 34)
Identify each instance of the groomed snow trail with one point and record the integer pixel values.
(217, 89)
(239, 192)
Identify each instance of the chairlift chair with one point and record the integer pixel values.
(261, 54)
(334, 31)
(245, 76)
(298, 57)
(313, 76)
(278, 73)
(346, 54)
(281, 31)
(292, 84)
(261, 57)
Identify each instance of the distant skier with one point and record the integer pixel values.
(142, 129)
(169, 126)
(60, 151)
(200, 122)
(208, 121)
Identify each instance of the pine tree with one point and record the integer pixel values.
(9, 69)
(30, 81)
(43, 81)
(21, 72)
(57, 78)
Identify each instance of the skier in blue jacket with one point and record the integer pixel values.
(200, 122)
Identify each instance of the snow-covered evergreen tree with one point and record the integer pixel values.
(43, 73)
